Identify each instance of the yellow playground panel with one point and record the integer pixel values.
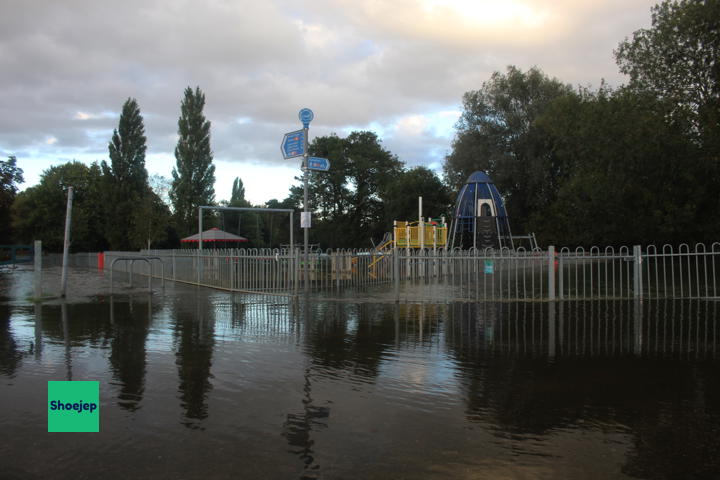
(416, 234)
(420, 235)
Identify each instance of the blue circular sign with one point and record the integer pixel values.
(306, 116)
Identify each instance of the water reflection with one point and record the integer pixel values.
(194, 331)
(10, 356)
(326, 389)
(298, 428)
(37, 323)
(348, 339)
(130, 326)
(75, 325)
(530, 372)
(570, 329)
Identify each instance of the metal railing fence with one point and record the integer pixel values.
(438, 274)
(665, 272)
(75, 260)
(13, 254)
(488, 274)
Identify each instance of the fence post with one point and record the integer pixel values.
(551, 272)
(407, 247)
(37, 276)
(637, 272)
(396, 273)
(551, 329)
(561, 278)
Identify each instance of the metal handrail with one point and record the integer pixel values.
(132, 261)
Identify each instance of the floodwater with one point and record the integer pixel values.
(196, 384)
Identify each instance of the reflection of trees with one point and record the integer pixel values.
(495, 346)
(349, 337)
(131, 323)
(194, 331)
(9, 354)
(608, 364)
(88, 323)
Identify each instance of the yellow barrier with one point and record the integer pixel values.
(407, 234)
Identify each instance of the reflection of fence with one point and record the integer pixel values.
(437, 274)
(657, 328)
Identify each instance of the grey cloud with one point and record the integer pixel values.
(264, 61)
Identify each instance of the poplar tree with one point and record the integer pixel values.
(193, 177)
(126, 179)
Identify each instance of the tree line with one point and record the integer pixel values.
(638, 163)
(117, 206)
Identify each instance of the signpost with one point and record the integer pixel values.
(295, 144)
(319, 164)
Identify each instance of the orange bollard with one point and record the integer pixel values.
(101, 261)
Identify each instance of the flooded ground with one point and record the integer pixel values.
(196, 383)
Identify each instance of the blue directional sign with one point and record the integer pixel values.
(306, 116)
(293, 144)
(317, 163)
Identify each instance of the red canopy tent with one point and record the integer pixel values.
(214, 235)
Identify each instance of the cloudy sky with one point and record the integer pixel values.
(397, 67)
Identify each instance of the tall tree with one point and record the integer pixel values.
(496, 133)
(39, 211)
(238, 192)
(10, 176)
(193, 181)
(247, 224)
(635, 178)
(677, 59)
(126, 178)
(348, 200)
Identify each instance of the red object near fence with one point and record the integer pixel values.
(101, 261)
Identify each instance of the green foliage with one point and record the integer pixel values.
(10, 177)
(347, 201)
(125, 180)
(39, 211)
(496, 134)
(677, 60)
(151, 221)
(636, 177)
(238, 192)
(591, 167)
(401, 196)
(250, 225)
(194, 174)
(127, 149)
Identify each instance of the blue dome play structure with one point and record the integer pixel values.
(480, 219)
